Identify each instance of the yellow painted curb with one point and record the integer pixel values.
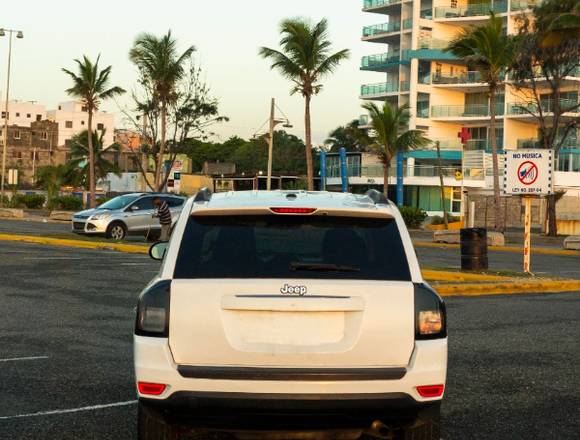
(440, 275)
(129, 248)
(519, 250)
(514, 288)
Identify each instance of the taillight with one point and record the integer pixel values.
(151, 389)
(153, 311)
(430, 316)
(430, 391)
(293, 210)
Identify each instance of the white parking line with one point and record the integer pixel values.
(28, 358)
(69, 411)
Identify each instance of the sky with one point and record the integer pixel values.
(226, 34)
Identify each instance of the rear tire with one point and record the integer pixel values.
(117, 231)
(426, 429)
(150, 426)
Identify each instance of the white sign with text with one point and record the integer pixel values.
(529, 173)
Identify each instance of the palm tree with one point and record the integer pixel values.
(80, 152)
(162, 67)
(392, 134)
(91, 87)
(349, 136)
(305, 59)
(489, 50)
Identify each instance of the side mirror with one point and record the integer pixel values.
(134, 208)
(158, 250)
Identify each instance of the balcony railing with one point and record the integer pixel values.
(535, 143)
(383, 88)
(476, 10)
(426, 14)
(432, 43)
(381, 60)
(464, 111)
(379, 29)
(407, 23)
(368, 4)
(520, 5)
(458, 78)
(547, 106)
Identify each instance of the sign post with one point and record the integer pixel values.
(530, 174)
(465, 137)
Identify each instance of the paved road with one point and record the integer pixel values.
(512, 368)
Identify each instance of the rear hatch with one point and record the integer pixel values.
(291, 291)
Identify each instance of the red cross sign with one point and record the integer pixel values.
(464, 135)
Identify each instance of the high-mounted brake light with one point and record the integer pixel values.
(151, 389)
(430, 391)
(293, 210)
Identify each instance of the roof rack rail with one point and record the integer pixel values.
(203, 195)
(377, 197)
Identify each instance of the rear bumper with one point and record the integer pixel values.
(154, 363)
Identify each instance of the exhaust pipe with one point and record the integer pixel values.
(381, 431)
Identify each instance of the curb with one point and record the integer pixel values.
(536, 250)
(517, 288)
(440, 275)
(129, 248)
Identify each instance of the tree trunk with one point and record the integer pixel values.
(499, 224)
(386, 166)
(309, 170)
(159, 168)
(92, 185)
(552, 224)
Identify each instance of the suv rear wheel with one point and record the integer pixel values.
(117, 231)
(151, 427)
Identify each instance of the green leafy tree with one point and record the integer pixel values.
(490, 51)
(80, 152)
(559, 20)
(162, 68)
(305, 59)
(52, 177)
(91, 87)
(540, 71)
(391, 134)
(349, 136)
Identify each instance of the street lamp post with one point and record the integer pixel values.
(273, 123)
(19, 34)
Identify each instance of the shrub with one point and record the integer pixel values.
(66, 203)
(413, 217)
(29, 201)
(438, 220)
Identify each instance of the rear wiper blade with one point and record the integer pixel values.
(320, 267)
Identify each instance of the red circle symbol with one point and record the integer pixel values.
(528, 173)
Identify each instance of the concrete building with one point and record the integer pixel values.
(31, 147)
(72, 118)
(22, 113)
(445, 96)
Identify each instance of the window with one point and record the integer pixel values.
(17, 114)
(43, 135)
(100, 126)
(4, 115)
(68, 124)
(119, 202)
(16, 134)
(144, 204)
(174, 202)
(274, 246)
(84, 108)
(39, 118)
(28, 115)
(82, 122)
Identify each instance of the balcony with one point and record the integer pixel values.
(470, 13)
(462, 78)
(535, 143)
(381, 33)
(430, 49)
(464, 111)
(380, 6)
(382, 62)
(382, 90)
(531, 109)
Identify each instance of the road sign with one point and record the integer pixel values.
(529, 172)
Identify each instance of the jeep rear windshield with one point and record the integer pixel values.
(276, 246)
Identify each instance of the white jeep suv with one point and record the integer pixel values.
(301, 304)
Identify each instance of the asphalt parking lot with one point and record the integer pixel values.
(66, 360)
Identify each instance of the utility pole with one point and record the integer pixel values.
(271, 143)
(445, 220)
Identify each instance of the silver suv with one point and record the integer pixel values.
(129, 214)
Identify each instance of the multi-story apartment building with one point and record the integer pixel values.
(22, 113)
(31, 147)
(72, 118)
(446, 96)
